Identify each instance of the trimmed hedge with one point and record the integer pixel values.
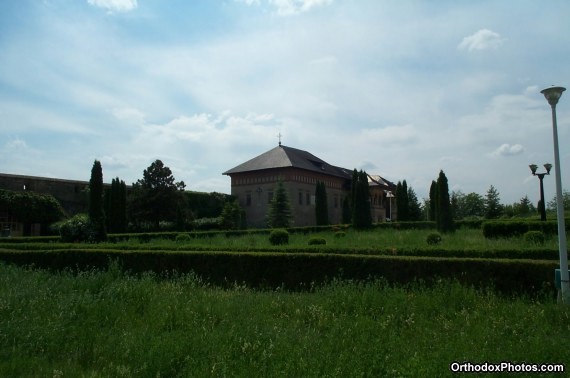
(294, 271)
(533, 253)
(507, 229)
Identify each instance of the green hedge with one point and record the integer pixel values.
(533, 253)
(303, 269)
(507, 229)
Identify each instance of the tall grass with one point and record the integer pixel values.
(112, 324)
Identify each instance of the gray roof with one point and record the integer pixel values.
(283, 157)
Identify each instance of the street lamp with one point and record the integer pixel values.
(542, 206)
(552, 95)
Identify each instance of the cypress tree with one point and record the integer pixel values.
(444, 216)
(402, 201)
(399, 198)
(96, 212)
(116, 206)
(321, 206)
(433, 201)
(121, 207)
(361, 215)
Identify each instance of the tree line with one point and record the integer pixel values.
(154, 201)
(158, 197)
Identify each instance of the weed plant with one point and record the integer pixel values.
(112, 324)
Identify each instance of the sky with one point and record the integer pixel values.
(402, 89)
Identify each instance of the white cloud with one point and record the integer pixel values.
(509, 150)
(115, 5)
(248, 2)
(390, 136)
(291, 7)
(481, 40)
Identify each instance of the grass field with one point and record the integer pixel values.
(112, 324)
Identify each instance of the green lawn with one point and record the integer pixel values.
(112, 324)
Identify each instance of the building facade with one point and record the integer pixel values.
(254, 182)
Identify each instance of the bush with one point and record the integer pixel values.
(75, 229)
(534, 237)
(279, 237)
(339, 234)
(433, 239)
(183, 238)
(317, 241)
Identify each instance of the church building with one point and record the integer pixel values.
(254, 182)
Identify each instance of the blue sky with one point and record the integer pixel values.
(402, 89)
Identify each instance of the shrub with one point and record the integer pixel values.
(317, 241)
(534, 237)
(339, 234)
(433, 239)
(279, 237)
(75, 229)
(182, 238)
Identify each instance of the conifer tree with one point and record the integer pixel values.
(444, 216)
(321, 206)
(433, 201)
(96, 212)
(402, 201)
(116, 206)
(414, 207)
(279, 215)
(493, 207)
(361, 215)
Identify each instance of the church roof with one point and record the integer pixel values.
(374, 180)
(284, 157)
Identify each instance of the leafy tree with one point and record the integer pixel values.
(414, 208)
(321, 206)
(433, 201)
(473, 205)
(402, 201)
(444, 216)
(361, 213)
(551, 205)
(31, 207)
(96, 212)
(467, 205)
(156, 197)
(233, 216)
(493, 207)
(206, 205)
(279, 215)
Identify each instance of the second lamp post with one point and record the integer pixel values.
(542, 205)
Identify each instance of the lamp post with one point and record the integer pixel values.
(552, 95)
(540, 176)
